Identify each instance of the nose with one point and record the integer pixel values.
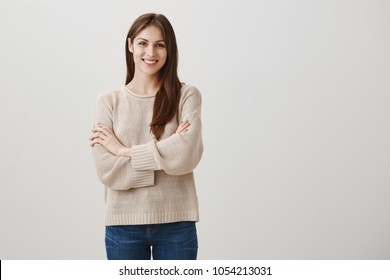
(150, 50)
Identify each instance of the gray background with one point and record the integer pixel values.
(296, 98)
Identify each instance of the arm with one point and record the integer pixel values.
(180, 153)
(114, 171)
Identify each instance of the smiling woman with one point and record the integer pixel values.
(146, 142)
(149, 53)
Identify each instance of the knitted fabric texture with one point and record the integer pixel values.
(156, 184)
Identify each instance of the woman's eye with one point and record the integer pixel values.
(160, 46)
(142, 43)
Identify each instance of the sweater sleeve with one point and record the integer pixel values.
(177, 154)
(115, 172)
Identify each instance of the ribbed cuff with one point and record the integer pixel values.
(142, 157)
(143, 178)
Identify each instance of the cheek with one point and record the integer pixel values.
(137, 52)
(163, 55)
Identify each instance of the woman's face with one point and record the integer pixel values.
(149, 50)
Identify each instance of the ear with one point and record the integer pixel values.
(131, 46)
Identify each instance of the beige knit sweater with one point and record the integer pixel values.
(156, 184)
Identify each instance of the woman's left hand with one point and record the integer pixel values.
(103, 135)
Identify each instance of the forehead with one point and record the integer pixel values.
(151, 33)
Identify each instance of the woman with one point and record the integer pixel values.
(146, 142)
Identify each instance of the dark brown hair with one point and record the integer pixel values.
(167, 99)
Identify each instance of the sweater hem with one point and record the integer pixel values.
(151, 218)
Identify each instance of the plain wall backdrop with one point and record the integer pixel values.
(296, 118)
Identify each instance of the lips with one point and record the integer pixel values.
(150, 62)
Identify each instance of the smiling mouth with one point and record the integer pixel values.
(150, 62)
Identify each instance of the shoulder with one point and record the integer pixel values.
(109, 96)
(189, 89)
(190, 92)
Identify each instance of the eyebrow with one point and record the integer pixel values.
(148, 40)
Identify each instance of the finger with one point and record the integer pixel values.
(93, 137)
(96, 141)
(99, 135)
(184, 131)
(179, 129)
(186, 123)
(96, 138)
(106, 130)
(101, 130)
(183, 126)
(105, 127)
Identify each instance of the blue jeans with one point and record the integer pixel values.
(171, 241)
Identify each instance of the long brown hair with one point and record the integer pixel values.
(167, 99)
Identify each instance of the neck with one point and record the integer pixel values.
(144, 84)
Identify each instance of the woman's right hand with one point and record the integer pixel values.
(183, 127)
(104, 135)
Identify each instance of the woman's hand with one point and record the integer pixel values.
(183, 127)
(103, 135)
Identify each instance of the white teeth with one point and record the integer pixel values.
(150, 61)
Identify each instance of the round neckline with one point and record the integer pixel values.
(136, 94)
